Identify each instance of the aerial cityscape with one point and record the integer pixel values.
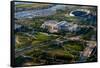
(51, 33)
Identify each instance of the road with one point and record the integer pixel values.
(83, 55)
(87, 51)
(30, 47)
(38, 13)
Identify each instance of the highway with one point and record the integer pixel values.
(83, 55)
(30, 47)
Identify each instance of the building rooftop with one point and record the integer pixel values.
(54, 26)
(50, 22)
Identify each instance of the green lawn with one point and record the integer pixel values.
(75, 47)
(22, 40)
(35, 42)
(36, 5)
(42, 37)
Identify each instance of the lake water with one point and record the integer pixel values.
(38, 13)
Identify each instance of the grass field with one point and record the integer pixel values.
(31, 5)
